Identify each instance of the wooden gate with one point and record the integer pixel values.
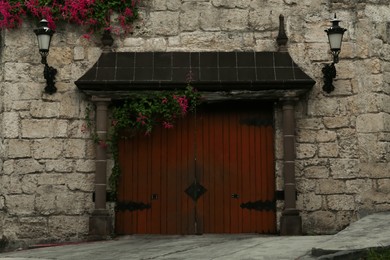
(212, 173)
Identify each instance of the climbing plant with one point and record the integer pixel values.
(94, 15)
(139, 115)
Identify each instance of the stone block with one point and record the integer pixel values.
(60, 56)
(304, 185)
(314, 123)
(29, 183)
(22, 91)
(37, 128)
(18, 72)
(173, 5)
(47, 148)
(305, 151)
(78, 53)
(324, 107)
(8, 167)
(373, 122)
(328, 150)
(61, 227)
(358, 186)
(374, 197)
(306, 135)
(45, 199)
(319, 221)
(324, 136)
(375, 170)
(377, 13)
(224, 3)
(19, 148)
(329, 186)
(348, 143)
(189, 20)
(27, 166)
(209, 18)
(85, 166)
(344, 219)
(370, 149)
(173, 42)
(59, 166)
(383, 185)
(316, 172)
(345, 169)
(11, 123)
(134, 42)
(2, 202)
(73, 203)
(32, 227)
(60, 128)
(20, 204)
(311, 202)
(75, 148)
(337, 122)
(233, 19)
(164, 23)
(70, 105)
(155, 44)
(159, 5)
(81, 182)
(11, 184)
(341, 202)
(45, 179)
(41, 109)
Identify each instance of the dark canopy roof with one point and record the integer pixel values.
(207, 71)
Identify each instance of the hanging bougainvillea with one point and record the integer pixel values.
(93, 14)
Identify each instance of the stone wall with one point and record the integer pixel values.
(343, 138)
(47, 161)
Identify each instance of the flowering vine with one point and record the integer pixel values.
(93, 14)
(139, 116)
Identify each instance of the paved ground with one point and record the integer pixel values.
(371, 231)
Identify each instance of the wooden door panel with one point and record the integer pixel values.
(235, 151)
(228, 150)
(156, 170)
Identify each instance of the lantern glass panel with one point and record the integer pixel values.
(335, 40)
(44, 42)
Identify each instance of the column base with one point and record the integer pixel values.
(290, 224)
(100, 225)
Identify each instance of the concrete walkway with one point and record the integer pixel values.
(369, 232)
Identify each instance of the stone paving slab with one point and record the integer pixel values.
(178, 247)
(369, 232)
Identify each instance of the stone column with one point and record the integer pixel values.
(100, 222)
(290, 222)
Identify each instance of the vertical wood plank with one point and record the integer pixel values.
(227, 193)
(156, 165)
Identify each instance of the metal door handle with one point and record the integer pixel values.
(235, 196)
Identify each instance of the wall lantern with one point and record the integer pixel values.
(335, 37)
(44, 34)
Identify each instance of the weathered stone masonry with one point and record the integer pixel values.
(342, 139)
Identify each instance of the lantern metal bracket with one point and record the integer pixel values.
(50, 75)
(329, 71)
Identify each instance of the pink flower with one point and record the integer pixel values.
(164, 101)
(167, 125)
(183, 103)
(102, 144)
(84, 128)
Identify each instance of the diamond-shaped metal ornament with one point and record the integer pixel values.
(195, 190)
